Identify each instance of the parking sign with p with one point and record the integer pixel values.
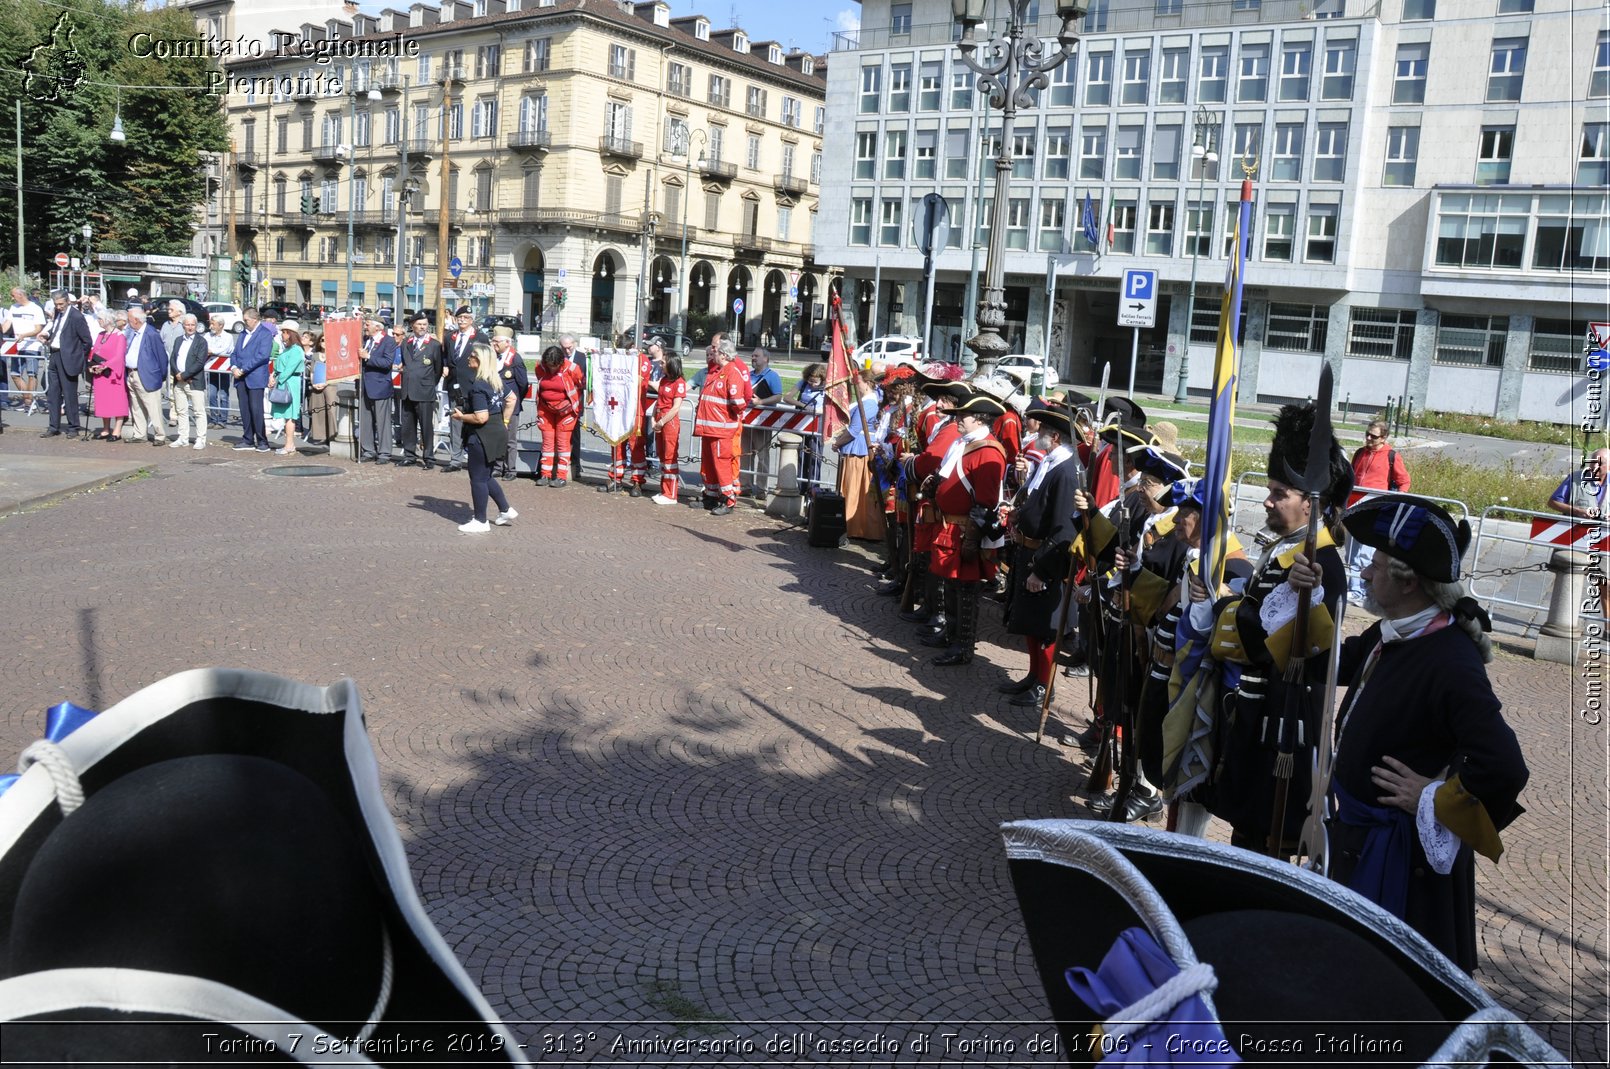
(1137, 301)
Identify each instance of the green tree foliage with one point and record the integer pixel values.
(141, 194)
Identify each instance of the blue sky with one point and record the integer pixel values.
(808, 24)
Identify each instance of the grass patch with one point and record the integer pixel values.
(1486, 426)
(1436, 475)
(666, 996)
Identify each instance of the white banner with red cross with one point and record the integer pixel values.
(612, 375)
(1579, 534)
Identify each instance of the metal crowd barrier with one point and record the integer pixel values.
(1510, 567)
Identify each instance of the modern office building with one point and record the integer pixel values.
(589, 146)
(1430, 182)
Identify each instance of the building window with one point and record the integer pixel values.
(1198, 229)
(1599, 81)
(1062, 84)
(1172, 76)
(866, 155)
(329, 190)
(1165, 8)
(1296, 63)
(1380, 333)
(785, 221)
(1279, 228)
(1475, 341)
(1297, 328)
(1098, 79)
(889, 223)
(860, 221)
(894, 154)
(1127, 161)
(1160, 228)
(1053, 212)
(1023, 152)
(1252, 80)
(1409, 73)
(1287, 162)
(752, 153)
(1137, 73)
(1017, 222)
(1419, 10)
(720, 91)
(1213, 79)
(1402, 150)
(679, 79)
(622, 62)
(1092, 152)
(1482, 230)
(755, 102)
(899, 18)
(816, 168)
(1572, 233)
(1556, 345)
(930, 85)
(871, 89)
(712, 211)
(361, 129)
(1321, 247)
(677, 138)
(534, 113)
(1330, 152)
(1123, 226)
(956, 158)
(422, 69)
(1232, 218)
(1204, 326)
(1166, 153)
(821, 119)
(1507, 71)
(900, 87)
(1494, 149)
(961, 90)
(1341, 60)
(1246, 140)
(488, 61)
(484, 119)
(1593, 162)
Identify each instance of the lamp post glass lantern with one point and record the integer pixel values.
(1204, 152)
(1009, 68)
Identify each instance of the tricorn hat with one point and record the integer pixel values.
(978, 404)
(945, 389)
(1418, 532)
(1166, 466)
(214, 856)
(1178, 941)
(1288, 453)
(1052, 417)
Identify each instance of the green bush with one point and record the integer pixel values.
(1486, 426)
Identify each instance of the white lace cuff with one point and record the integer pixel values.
(1440, 844)
(1279, 608)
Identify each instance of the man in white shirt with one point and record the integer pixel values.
(219, 343)
(25, 320)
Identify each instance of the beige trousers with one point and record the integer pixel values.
(145, 410)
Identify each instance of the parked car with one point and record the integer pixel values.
(890, 349)
(650, 330)
(156, 310)
(1020, 368)
(283, 309)
(514, 322)
(229, 312)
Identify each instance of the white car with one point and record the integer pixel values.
(890, 349)
(1020, 368)
(230, 312)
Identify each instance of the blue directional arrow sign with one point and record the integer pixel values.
(455, 267)
(1599, 360)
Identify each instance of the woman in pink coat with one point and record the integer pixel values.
(106, 372)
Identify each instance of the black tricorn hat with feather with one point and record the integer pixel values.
(1288, 454)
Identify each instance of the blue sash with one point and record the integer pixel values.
(1382, 874)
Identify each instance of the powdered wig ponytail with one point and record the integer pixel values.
(1454, 598)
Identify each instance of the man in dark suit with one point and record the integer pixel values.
(149, 367)
(254, 353)
(421, 374)
(70, 339)
(456, 373)
(187, 369)
(379, 356)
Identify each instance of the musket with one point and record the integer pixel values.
(1314, 843)
(1289, 732)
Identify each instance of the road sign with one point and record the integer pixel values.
(930, 224)
(61, 259)
(455, 267)
(793, 293)
(562, 274)
(1600, 335)
(1137, 301)
(1599, 360)
(416, 277)
(793, 279)
(737, 306)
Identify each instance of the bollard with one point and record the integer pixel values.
(786, 503)
(1557, 640)
(346, 408)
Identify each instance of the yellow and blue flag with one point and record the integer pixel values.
(1217, 506)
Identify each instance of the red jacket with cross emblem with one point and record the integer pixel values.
(722, 402)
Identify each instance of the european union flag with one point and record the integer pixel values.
(1088, 221)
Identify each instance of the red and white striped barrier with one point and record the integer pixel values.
(1579, 534)
(780, 419)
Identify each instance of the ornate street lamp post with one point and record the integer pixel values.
(1009, 68)
(684, 146)
(1203, 151)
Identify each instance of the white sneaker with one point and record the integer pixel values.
(661, 499)
(475, 527)
(178, 443)
(199, 445)
(505, 518)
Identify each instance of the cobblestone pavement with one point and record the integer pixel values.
(657, 766)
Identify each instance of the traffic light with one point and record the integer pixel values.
(243, 272)
(310, 206)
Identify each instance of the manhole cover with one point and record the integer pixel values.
(303, 469)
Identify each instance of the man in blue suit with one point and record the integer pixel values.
(379, 356)
(147, 365)
(254, 352)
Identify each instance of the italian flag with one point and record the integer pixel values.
(1109, 220)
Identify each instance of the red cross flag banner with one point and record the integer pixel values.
(837, 411)
(343, 348)
(614, 394)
